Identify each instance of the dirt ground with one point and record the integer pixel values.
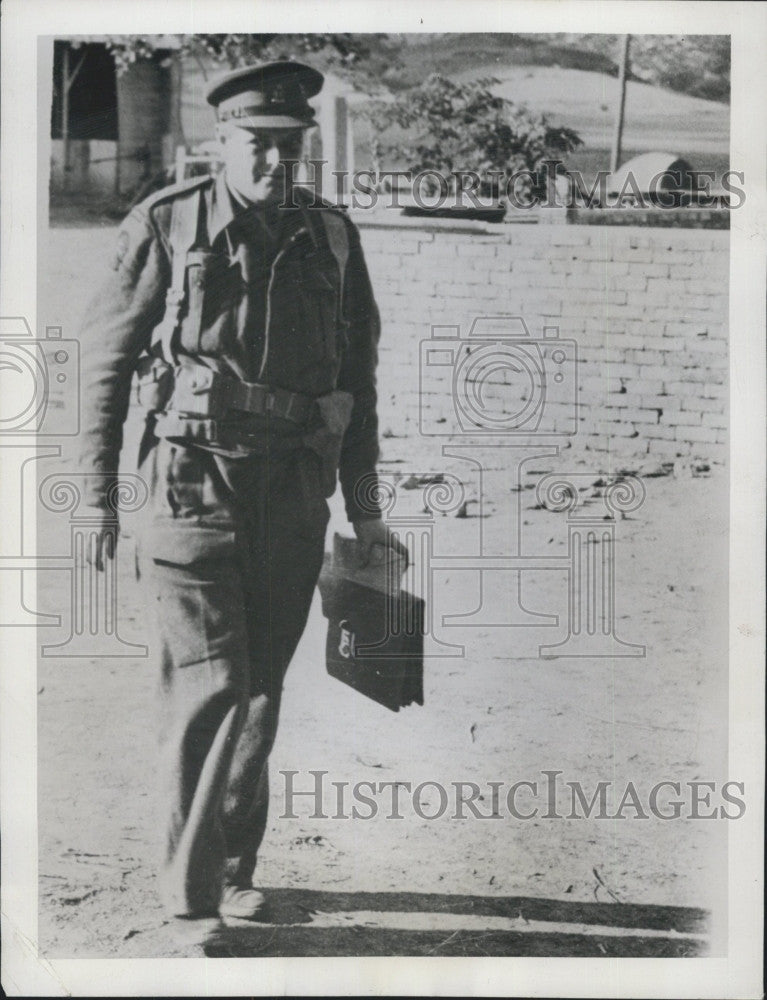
(497, 713)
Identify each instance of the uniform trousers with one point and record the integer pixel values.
(229, 555)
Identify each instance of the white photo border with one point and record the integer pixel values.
(24, 195)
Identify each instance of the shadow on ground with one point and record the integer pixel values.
(305, 922)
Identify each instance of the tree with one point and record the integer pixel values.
(342, 52)
(693, 64)
(466, 127)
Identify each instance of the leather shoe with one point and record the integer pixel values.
(241, 903)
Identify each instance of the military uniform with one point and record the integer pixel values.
(275, 317)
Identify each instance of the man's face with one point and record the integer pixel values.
(253, 159)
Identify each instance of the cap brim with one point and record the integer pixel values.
(271, 121)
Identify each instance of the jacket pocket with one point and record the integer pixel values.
(189, 545)
(198, 611)
(203, 274)
(187, 488)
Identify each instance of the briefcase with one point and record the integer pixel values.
(375, 631)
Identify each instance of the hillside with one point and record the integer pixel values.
(570, 79)
(693, 65)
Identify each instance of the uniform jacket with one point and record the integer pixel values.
(270, 312)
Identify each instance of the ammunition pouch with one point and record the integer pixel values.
(154, 383)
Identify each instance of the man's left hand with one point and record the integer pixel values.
(374, 532)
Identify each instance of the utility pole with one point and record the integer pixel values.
(615, 154)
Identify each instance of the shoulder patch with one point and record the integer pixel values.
(123, 244)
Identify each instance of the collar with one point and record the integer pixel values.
(223, 208)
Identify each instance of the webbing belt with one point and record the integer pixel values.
(204, 392)
(262, 400)
(220, 433)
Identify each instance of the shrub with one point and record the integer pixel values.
(450, 127)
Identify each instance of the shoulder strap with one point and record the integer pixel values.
(184, 224)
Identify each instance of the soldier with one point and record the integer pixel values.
(246, 308)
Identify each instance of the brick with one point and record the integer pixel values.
(387, 260)
(689, 380)
(675, 448)
(622, 430)
(674, 344)
(651, 390)
(646, 357)
(563, 267)
(594, 384)
(636, 256)
(669, 407)
(658, 271)
(690, 314)
(436, 251)
(698, 435)
(474, 249)
(527, 265)
(659, 432)
(718, 452)
(621, 370)
(576, 328)
(407, 236)
(624, 342)
(586, 253)
(702, 345)
(579, 279)
(718, 420)
(540, 308)
(680, 418)
(452, 290)
(655, 345)
(683, 329)
(608, 299)
(609, 359)
(629, 309)
(712, 391)
(640, 416)
(654, 371)
(699, 402)
(629, 282)
(568, 238)
(609, 268)
(663, 289)
(708, 287)
(635, 241)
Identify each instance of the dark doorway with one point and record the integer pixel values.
(92, 95)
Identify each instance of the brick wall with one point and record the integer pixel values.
(646, 307)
